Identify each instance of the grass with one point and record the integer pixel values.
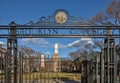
(70, 75)
(46, 75)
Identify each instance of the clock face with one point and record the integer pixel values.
(61, 17)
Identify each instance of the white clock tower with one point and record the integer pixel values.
(56, 59)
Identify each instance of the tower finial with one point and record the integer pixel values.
(56, 48)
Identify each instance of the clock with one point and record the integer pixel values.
(61, 17)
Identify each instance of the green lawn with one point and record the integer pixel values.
(46, 75)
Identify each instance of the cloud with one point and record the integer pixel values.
(43, 43)
(36, 41)
(84, 47)
(1, 42)
(80, 43)
(62, 45)
(77, 43)
(84, 39)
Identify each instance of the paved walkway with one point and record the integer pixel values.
(70, 81)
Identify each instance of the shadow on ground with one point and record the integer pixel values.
(66, 80)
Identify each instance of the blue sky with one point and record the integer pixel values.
(23, 11)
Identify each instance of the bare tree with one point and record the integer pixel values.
(111, 14)
(98, 18)
(113, 11)
(28, 50)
